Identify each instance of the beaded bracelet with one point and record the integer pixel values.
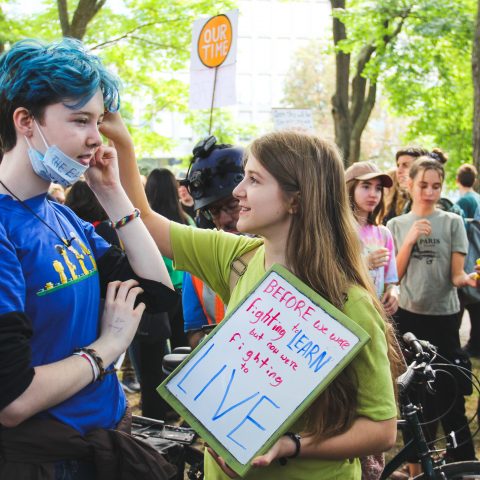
(97, 359)
(128, 218)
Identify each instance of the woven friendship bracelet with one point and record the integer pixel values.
(97, 360)
(91, 361)
(128, 218)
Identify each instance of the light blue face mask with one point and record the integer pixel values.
(54, 166)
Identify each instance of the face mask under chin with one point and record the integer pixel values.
(54, 165)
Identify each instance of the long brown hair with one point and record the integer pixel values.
(311, 169)
(395, 199)
(373, 218)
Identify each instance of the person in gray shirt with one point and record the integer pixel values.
(431, 246)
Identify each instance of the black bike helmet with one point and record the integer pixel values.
(214, 172)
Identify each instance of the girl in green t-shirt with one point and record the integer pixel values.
(293, 197)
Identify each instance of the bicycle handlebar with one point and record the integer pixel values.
(411, 340)
(421, 364)
(405, 379)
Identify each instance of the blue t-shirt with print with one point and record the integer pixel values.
(58, 289)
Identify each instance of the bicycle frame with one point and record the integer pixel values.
(416, 447)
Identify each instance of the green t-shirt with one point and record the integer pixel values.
(176, 276)
(208, 254)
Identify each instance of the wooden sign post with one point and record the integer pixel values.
(262, 367)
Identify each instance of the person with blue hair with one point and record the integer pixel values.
(62, 414)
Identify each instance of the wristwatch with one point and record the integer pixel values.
(296, 439)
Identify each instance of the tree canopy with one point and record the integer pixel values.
(146, 42)
(429, 77)
(418, 52)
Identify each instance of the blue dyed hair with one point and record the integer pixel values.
(34, 74)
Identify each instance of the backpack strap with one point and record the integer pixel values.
(238, 267)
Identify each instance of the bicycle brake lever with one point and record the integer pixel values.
(452, 440)
(430, 377)
(430, 374)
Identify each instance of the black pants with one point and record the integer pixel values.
(473, 309)
(441, 331)
(149, 355)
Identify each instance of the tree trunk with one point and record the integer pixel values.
(353, 105)
(476, 91)
(340, 99)
(83, 15)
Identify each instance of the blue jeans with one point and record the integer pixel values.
(74, 470)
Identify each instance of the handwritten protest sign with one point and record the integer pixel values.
(287, 118)
(262, 367)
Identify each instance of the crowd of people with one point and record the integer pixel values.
(96, 261)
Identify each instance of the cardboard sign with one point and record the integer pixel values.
(296, 118)
(262, 367)
(214, 41)
(213, 61)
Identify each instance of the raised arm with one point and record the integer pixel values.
(115, 130)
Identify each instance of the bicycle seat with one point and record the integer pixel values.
(171, 361)
(184, 350)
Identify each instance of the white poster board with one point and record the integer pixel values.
(262, 367)
(292, 118)
(213, 61)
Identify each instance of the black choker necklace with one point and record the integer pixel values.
(66, 241)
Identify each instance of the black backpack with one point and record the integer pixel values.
(472, 295)
(447, 205)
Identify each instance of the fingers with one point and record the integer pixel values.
(379, 258)
(419, 228)
(262, 460)
(112, 288)
(424, 227)
(104, 154)
(127, 292)
(120, 317)
(473, 279)
(97, 158)
(126, 288)
(221, 463)
(389, 304)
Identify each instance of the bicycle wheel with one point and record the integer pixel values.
(456, 471)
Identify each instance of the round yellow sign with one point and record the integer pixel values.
(215, 41)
